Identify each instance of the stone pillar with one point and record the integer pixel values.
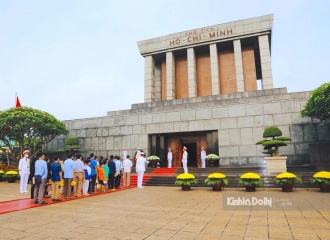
(266, 66)
(149, 79)
(170, 76)
(215, 77)
(158, 83)
(192, 79)
(239, 66)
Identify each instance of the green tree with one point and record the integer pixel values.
(318, 104)
(271, 146)
(28, 128)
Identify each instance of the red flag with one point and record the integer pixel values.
(18, 104)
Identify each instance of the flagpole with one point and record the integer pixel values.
(15, 99)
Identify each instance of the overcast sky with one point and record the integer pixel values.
(79, 59)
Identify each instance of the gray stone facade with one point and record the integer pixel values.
(239, 118)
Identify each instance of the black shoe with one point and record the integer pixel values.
(35, 202)
(53, 200)
(43, 202)
(58, 200)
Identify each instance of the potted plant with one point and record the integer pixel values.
(323, 179)
(216, 180)
(11, 176)
(185, 180)
(153, 160)
(272, 141)
(212, 160)
(286, 181)
(250, 181)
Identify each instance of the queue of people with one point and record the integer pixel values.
(77, 177)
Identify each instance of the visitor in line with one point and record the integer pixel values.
(127, 164)
(56, 176)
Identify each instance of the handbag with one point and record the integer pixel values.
(38, 178)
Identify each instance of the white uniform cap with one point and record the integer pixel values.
(26, 152)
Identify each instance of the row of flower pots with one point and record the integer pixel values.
(252, 180)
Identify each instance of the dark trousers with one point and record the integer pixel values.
(111, 181)
(92, 184)
(39, 189)
(117, 181)
(32, 190)
(67, 187)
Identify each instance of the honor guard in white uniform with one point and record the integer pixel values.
(124, 154)
(138, 153)
(140, 168)
(203, 156)
(169, 158)
(185, 160)
(24, 171)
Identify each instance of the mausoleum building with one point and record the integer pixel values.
(209, 87)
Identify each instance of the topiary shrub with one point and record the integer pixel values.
(271, 146)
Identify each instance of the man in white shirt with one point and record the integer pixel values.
(127, 163)
(203, 156)
(24, 171)
(185, 160)
(69, 173)
(169, 158)
(140, 168)
(79, 175)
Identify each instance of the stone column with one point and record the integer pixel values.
(158, 83)
(215, 77)
(192, 79)
(149, 79)
(170, 76)
(239, 66)
(266, 66)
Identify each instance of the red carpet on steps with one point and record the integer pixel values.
(164, 171)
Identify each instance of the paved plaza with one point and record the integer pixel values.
(169, 213)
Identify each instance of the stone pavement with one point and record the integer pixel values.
(169, 213)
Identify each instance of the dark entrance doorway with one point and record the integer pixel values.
(192, 154)
(194, 141)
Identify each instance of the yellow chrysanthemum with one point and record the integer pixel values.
(11, 172)
(61, 183)
(73, 183)
(185, 176)
(216, 175)
(286, 175)
(250, 175)
(322, 174)
(1, 171)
